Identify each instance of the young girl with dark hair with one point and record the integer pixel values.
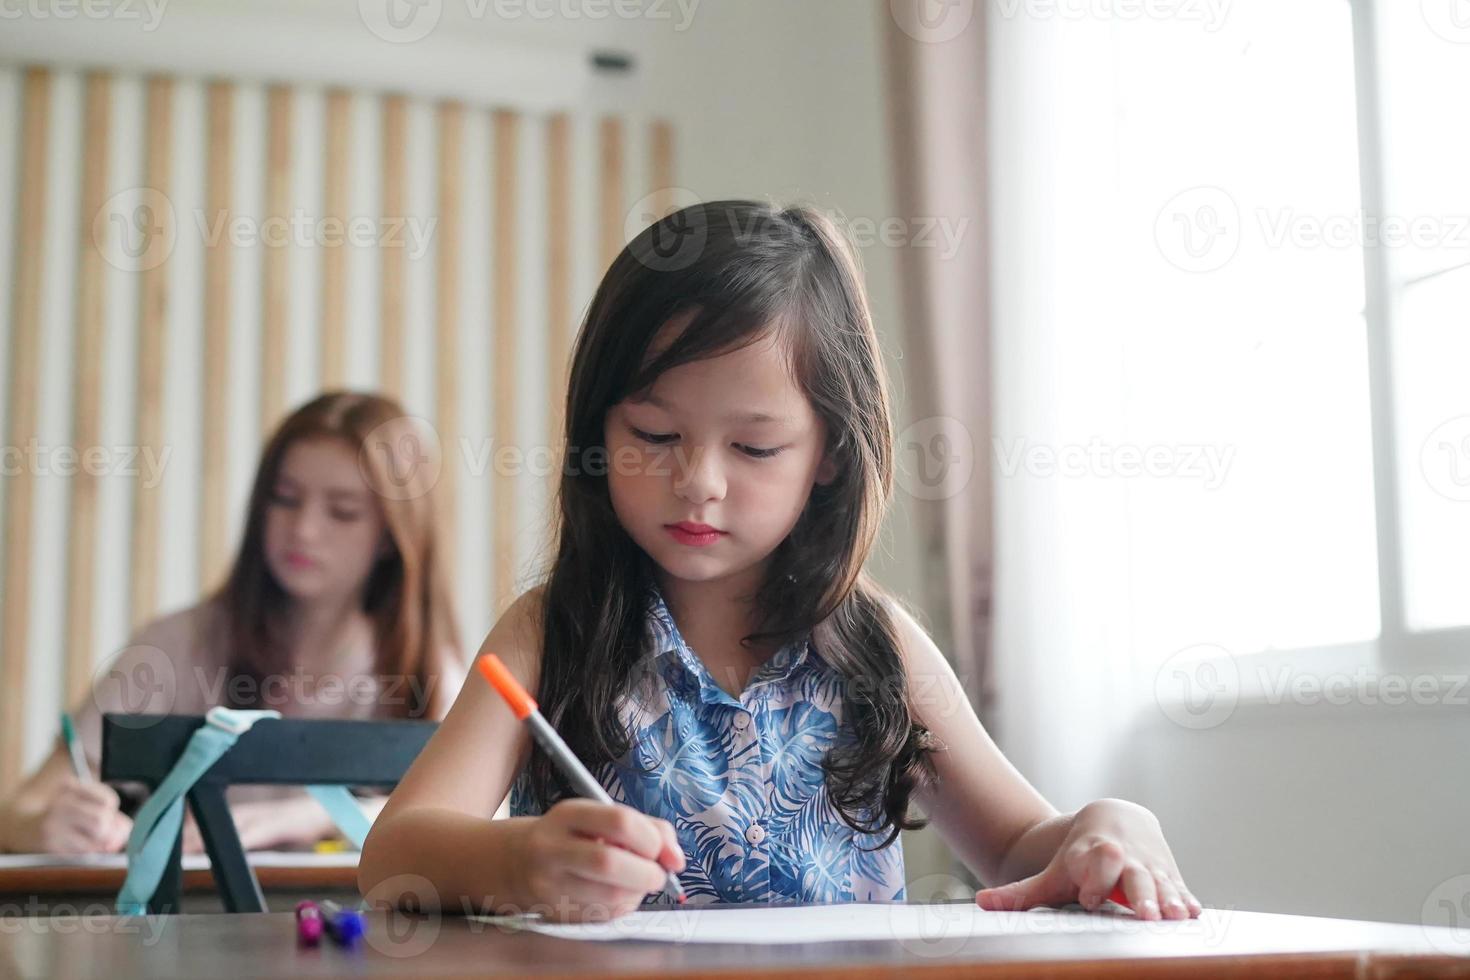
(707, 641)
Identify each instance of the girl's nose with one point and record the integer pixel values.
(308, 525)
(697, 476)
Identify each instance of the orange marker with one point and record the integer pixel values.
(525, 709)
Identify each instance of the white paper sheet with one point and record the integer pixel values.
(845, 922)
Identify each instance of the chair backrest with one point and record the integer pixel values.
(286, 751)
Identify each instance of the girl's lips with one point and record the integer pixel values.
(693, 539)
(300, 561)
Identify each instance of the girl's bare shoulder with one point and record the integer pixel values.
(516, 637)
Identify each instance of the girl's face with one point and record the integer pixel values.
(729, 442)
(323, 528)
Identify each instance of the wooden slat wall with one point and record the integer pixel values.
(446, 301)
(502, 541)
(614, 182)
(219, 182)
(393, 274)
(87, 394)
(577, 249)
(334, 257)
(274, 271)
(152, 327)
(25, 339)
(558, 274)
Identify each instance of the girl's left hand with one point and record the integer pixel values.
(1110, 842)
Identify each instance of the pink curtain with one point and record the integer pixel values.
(936, 95)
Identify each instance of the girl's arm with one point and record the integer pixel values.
(982, 806)
(436, 846)
(436, 826)
(1007, 833)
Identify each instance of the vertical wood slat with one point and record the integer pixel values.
(81, 537)
(275, 284)
(504, 369)
(393, 269)
(152, 324)
(558, 275)
(25, 356)
(611, 204)
(661, 167)
(446, 358)
(214, 488)
(334, 253)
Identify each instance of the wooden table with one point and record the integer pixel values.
(35, 884)
(1258, 946)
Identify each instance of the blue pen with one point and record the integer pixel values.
(345, 926)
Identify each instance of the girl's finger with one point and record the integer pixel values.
(614, 866)
(89, 831)
(617, 824)
(673, 855)
(122, 829)
(1171, 905)
(1142, 894)
(1101, 866)
(1194, 905)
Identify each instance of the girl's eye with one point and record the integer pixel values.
(345, 516)
(657, 438)
(281, 500)
(758, 453)
(660, 439)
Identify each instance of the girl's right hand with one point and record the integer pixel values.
(83, 818)
(590, 861)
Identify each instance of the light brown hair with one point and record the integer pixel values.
(406, 594)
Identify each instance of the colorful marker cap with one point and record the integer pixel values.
(503, 681)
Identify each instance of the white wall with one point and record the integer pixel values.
(1352, 810)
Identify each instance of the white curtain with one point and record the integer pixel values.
(1181, 443)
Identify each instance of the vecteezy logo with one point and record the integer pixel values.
(1445, 459)
(932, 21)
(135, 229)
(135, 685)
(1198, 230)
(400, 21)
(1446, 916)
(674, 241)
(936, 458)
(1198, 687)
(1450, 19)
(413, 917)
(401, 459)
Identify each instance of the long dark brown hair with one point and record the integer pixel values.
(742, 269)
(406, 596)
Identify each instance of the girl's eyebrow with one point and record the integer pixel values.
(752, 417)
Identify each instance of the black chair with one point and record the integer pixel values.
(287, 751)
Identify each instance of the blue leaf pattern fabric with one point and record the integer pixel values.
(740, 778)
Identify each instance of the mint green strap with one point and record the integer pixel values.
(344, 810)
(158, 822)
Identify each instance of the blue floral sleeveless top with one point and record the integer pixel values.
(741, 779)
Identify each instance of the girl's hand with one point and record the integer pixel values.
(262, 824)
(1110, 842)
(83, 818)
(590, 861)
